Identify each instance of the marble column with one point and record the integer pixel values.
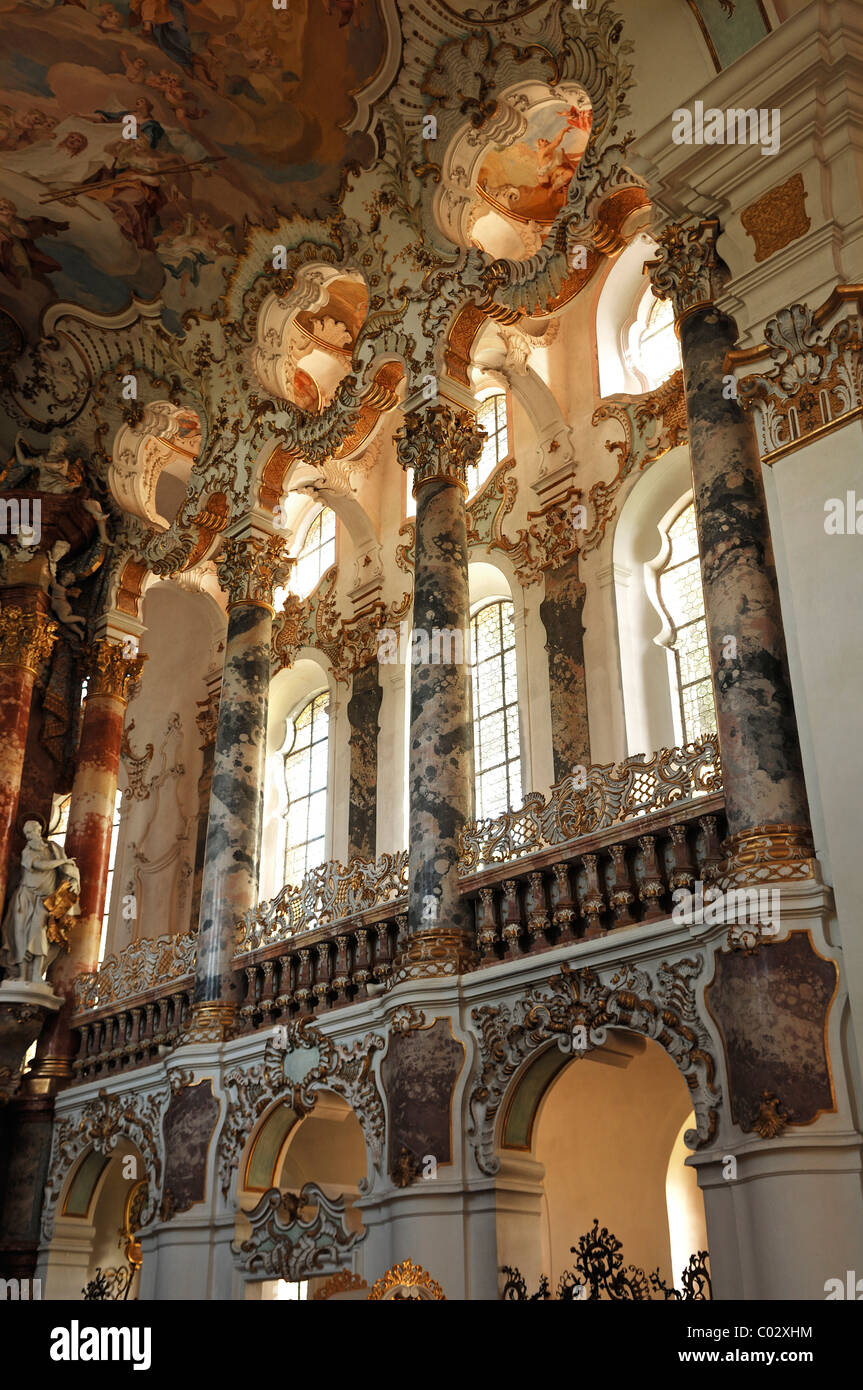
(561, 613)
(363, 710)
(438, 443)
(207, 720)
(762, 766)
(250, 567)
(26, 639)
(112, 675)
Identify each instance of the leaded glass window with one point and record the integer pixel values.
(491, 417)
(683, 600)
(654, 348)
(318, 552)
(306, 771)
(497, 754)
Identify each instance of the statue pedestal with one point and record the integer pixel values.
(24, 1006)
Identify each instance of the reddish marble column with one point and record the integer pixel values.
(761, 761)
(26, 639)
(88, 835)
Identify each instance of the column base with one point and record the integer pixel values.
(767, 853)
(446, 952)
(213, 1021)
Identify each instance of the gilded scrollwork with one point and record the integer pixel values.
(439, 442)
(574, 1010)
(101, 1123)
(26, 638)
(287, 1244)
(140, 966)
(308, 1061)
(687, 270)
(610, 793)
(250, 568)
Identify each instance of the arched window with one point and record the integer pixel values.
(682, 599)
(306, 771)
(497, 752)
(491, 417)
(653, 351)
(317, 553)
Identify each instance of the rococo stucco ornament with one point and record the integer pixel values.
(285, 1245)
(574, 1011)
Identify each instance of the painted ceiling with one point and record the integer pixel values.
(239, 112)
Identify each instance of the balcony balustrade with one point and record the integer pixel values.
(601, 854)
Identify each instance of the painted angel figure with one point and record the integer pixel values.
(39, 910)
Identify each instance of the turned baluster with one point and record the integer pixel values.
(285, 997)
(487, 933)
(265, 1004)
(593, 902)
(341, 981)
(303, 991)
(682, 873)
(383, 955)
(362, 961)
(710, 858)
(511, 919)
(652, 886)
(250, 1007)
(565, 913)
(322, 985)
(537, 910)
(621, 895)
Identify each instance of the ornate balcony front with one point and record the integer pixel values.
(590, 860)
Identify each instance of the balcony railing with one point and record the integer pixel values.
(589, 860)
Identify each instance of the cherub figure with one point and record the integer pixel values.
(60, 589)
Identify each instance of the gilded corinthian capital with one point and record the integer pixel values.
(112, 671)
(439, 443)
(687, 270)
(250, 568)
(26, 638)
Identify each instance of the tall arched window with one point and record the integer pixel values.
(682, 599)
(306, 771)
(491, 417)
(654, 352)
(317, 553)
(497, 751)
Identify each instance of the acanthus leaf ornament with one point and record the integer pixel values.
(26, 638)
(250, 568)
(688, 270)
(439, 443)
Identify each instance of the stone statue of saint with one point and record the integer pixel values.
(38, 915)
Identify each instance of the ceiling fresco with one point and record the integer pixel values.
(238, 107)
(529, 179)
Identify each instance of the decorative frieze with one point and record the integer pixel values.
(608, 793)
(574, 1011)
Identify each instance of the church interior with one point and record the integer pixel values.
(431, 636)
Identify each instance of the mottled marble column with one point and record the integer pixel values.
(561, 611)
(26, 639)
(112, 675)
(438, 444)
(250, 567)
(363, 710)
(207, 720)
(761, 762)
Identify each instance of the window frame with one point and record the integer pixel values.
(287, 751)
(669, 635)
(512, 757)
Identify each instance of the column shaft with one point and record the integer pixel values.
(26, 638)
(438, 446)
(762, 765)
(249, 568)
(363, 710)
(561, 613)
